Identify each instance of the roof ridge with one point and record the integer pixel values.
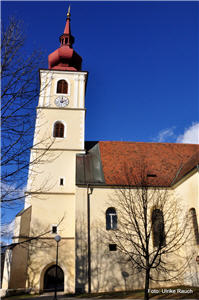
(158, 143)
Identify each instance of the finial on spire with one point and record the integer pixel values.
(68, 13)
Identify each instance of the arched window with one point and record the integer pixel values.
(58, 130)
(195, 224)
(111, 219)
(62, 87)
(158, 228)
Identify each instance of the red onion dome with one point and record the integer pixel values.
(65, 58)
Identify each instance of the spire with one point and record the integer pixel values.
(65, 58)
(67, 27)
(66, 38)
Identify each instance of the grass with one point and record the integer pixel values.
(161, 293)
(135, 294)
(16, 297)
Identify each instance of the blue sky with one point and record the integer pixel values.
(142, 59)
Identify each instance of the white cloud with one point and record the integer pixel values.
(190, 136)
(11, 192)
(7, 231)
(164, 135)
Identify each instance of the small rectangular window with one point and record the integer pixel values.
(54, 229)
(61, 181)
(112, 247)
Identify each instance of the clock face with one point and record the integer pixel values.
(61, 101)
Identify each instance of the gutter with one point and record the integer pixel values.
(89, 192)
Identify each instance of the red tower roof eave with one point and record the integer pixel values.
(64, 68)
(66, 58)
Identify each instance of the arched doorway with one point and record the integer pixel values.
(50, 277)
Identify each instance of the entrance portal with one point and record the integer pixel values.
(50, 279)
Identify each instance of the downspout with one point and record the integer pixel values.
(89, 192)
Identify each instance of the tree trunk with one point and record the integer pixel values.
(146, 289)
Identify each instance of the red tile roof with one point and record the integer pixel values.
(168, 162)
(188, 166)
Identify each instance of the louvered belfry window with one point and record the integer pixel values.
(58, 130)
(62, 87)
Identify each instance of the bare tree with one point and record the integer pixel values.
(20, 91)
(152, 228)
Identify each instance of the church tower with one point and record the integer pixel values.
(50, 201)
(60, 124)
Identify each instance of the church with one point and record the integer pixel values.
(76, 189)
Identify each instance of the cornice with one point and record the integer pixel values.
(60, 108)
(64, 71)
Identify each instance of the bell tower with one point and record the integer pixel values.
(60, 123)
(58, 138)
(62, 95)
